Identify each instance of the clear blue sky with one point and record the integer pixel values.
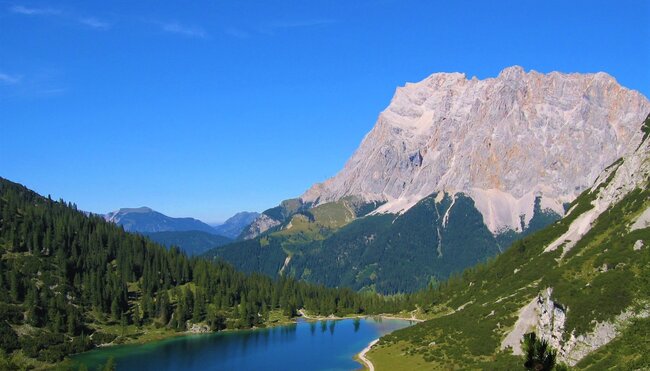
(207, 108)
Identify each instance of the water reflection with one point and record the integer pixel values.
(312, 327)
(356, 323)
(286, 348)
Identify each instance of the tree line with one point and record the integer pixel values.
(64, 274)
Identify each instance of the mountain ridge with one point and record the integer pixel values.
(581, 284)
(234, 225)
(446, 123)
(146, 220)
(504, 155)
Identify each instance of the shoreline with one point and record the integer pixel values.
(304, 316)
(333, 317)
(167, 335)
(362, 356)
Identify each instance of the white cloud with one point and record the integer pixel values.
(19, 9)
(91, 22)
(184, 30)
(94, 23)
(9, 79)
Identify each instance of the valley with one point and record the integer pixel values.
(578, 280)
(324, 185)
(453, 172)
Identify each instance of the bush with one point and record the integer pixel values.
(52, 354)
(539, 355)
(100, 338)
(8, 338)
(10, 313)
(33, 345)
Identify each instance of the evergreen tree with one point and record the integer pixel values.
(539, 354)
(62, 268)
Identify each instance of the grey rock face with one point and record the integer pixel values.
(260, 225)
(501, 140)
(232, 227)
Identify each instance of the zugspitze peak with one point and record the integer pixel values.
(502, 141)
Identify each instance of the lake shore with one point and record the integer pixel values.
(309, 317)
(151, 335)
(362, 356)
(304, 337)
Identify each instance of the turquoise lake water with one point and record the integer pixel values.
(320, 345)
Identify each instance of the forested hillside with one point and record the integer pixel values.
(582, 284)
(69, 282)
(387, 253)
(190, 242)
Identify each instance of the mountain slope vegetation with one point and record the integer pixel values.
(330, 244)
(583, 284)
(69, 282)
(190, 242)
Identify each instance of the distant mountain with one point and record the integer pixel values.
(146, 220)
(453, 172)
(233, 227)
(67, 279)
(191, 242)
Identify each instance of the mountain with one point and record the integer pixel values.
(234, 226)
(502, 141)
(190, 242)
(70, 282)
(453, 172)
(581, 284)
(146, 220)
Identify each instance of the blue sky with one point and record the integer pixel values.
(207, 108)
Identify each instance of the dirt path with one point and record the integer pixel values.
(362, 355)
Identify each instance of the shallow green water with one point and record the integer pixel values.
(323, 345)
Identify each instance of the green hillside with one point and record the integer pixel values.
(336, 245)
(70, 282)
(190, 242)
(603, 279)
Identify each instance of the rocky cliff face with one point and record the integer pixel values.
(581, 284)
(502, 141)
(547, 317)
(260, 225)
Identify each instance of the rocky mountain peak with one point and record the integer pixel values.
(503, 141)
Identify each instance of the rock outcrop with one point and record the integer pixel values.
(502, 140)
(547, 318)
(260, 225)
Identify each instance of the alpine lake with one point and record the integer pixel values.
(305, 345)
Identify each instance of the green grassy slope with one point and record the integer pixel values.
(601, 277)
